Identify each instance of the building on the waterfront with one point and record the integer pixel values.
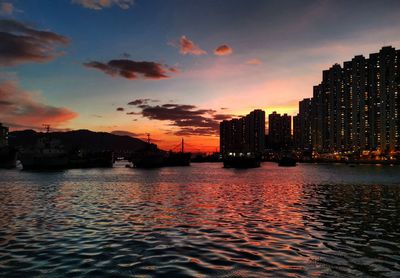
(243, 135)
(279, 130)
(3, 135)
(302, 125)
(355, 108)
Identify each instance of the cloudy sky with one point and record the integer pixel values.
(174, 68)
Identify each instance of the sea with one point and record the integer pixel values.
(313, 220)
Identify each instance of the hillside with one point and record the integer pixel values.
(84, 139)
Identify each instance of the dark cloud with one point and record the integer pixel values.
(20, 43)
(179, 106)
(133, 113)
(120, 109)
(101, 4)
(131, 69)
(221, 117)
(5, 102)
(189, 131)
(21, 108)
(223, 50)
(141, 101)
(188, 119)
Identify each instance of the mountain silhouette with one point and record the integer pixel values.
(79, 139)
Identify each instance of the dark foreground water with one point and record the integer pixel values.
(312, 220)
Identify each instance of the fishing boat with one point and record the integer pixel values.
(242, 160)
(90, 159)
(47, 154)
(150, 157)
(177, 158)
(8, 155)
(287, 160)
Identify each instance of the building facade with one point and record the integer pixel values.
(243, 135)
(355, 108)
(279, 130)
(302, 125)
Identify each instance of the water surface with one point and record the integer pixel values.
(311, 220)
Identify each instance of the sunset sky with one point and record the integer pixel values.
(174, 68)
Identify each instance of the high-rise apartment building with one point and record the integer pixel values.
(243, 135)
(279, 130)
(355, 107)
(302, 125)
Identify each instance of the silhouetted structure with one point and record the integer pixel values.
(302, 125)
(3, 136)
(153, 157)
(8, 155)
(81, 139)
(243, 137)
(356, 107)
(279, 130)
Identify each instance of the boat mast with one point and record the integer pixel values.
(47, 127)
(148, 138)
(47, 136)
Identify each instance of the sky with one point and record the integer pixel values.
(174, 68)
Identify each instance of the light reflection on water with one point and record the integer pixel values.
(311, 220)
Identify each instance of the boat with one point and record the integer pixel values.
(90, 159)
(287, 160)
(177, 158)
(242, 160)
(150, 157)
(47, 154)
(8, 155)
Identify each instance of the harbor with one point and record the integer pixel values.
(212, 138)
(58, 151)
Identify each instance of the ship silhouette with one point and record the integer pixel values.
(152, 157)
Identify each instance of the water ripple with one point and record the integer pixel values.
(317, 221)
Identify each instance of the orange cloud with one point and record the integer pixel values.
(254, 61)
(19, 108)
(223, 50)
(189, 47)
